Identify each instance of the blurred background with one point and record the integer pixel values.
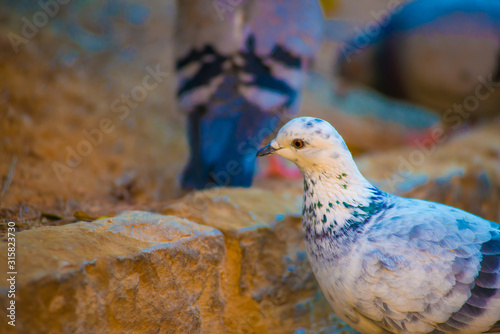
(83, 134)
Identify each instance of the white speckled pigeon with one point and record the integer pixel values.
(241, 65)
(389, 264)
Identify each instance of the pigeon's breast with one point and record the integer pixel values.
(335, 271)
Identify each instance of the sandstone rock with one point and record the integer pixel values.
(137, 272)
(148, 273)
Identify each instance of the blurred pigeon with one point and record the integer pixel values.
(389, 264)
(241, 66)
(441, 54)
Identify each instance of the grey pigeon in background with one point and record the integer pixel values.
(389, 264)
(440, 54)
(241, 66)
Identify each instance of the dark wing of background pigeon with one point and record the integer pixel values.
(429, 52)
(241, 65)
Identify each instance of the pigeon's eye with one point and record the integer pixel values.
(298, 143)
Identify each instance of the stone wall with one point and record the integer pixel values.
(234, 264)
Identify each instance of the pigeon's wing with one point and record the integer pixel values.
(241, 65)
(429, 266)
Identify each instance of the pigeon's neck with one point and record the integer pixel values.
(338, 201)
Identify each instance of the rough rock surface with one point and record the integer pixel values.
(137, 272)
(234, 263)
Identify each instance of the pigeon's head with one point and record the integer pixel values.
(309, 143)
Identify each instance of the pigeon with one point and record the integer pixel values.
(241, 66)
(388, 264)
(440, 54)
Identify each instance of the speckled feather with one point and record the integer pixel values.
(389, 264)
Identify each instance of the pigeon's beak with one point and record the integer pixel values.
(271, 148)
